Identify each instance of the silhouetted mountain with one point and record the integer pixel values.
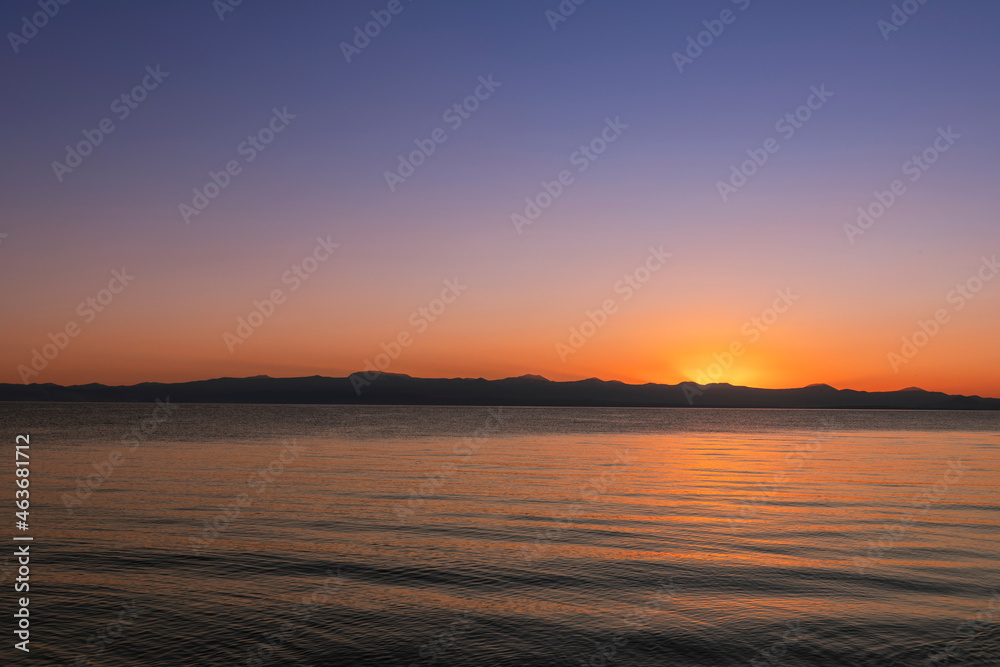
(396, 389)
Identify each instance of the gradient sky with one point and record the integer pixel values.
(323, 176)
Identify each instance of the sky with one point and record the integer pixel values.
(592, 207)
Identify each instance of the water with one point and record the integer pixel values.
(532, 536)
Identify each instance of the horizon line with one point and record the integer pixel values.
(532, 376)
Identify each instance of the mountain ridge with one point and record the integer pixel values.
(528, 390)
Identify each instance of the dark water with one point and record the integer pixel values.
(326, 535)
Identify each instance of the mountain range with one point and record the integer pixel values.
(527, 390)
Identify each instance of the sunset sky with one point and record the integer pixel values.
(609, 69)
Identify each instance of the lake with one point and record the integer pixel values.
(336, 535)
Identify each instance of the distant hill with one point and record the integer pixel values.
(395, 389)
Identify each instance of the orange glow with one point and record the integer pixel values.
(169, 325)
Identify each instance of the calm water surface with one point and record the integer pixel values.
(332, 535)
